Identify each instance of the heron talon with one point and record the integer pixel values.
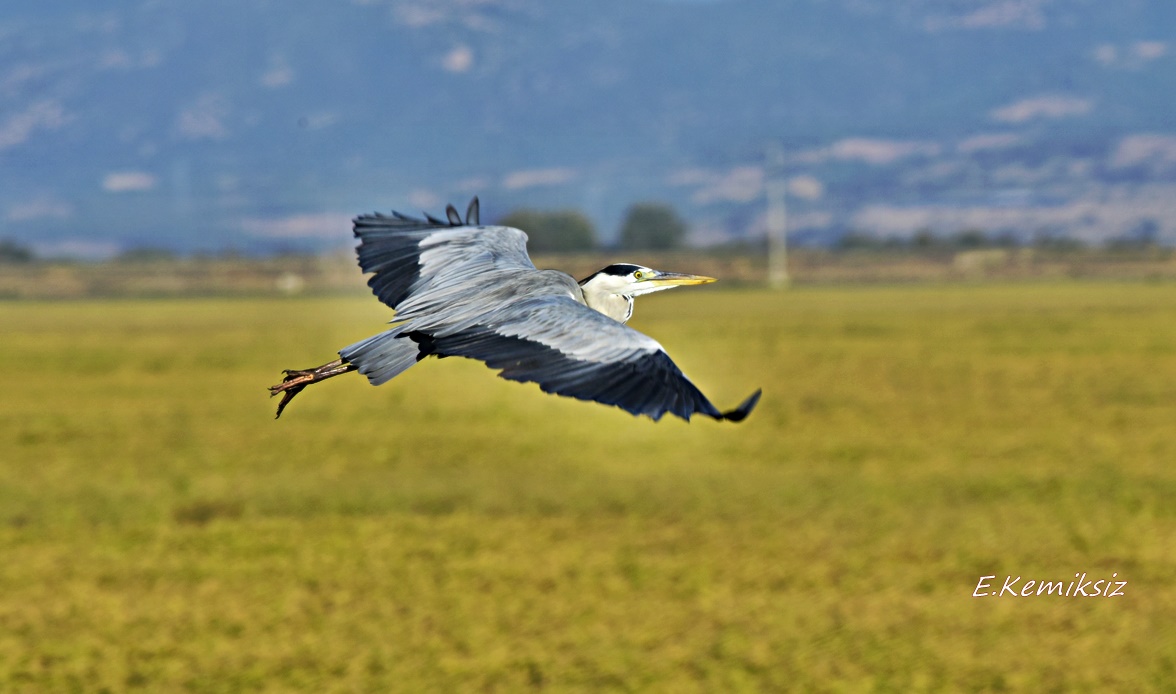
(296, 379)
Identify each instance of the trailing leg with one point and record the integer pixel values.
(297, 379)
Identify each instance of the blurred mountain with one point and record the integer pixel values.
(258, 125)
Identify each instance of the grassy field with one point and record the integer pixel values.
(454, 532)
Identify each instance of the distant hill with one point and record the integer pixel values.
(262, 126)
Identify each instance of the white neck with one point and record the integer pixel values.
(615, 306)
(600, 293)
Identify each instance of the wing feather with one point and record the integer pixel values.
(571, 350)
(405, 253)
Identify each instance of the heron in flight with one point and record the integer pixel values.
(461, 289)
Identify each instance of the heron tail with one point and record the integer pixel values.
(385, 356)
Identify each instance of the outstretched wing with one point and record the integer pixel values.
(572, 350)
(460, 289)
(407, 254)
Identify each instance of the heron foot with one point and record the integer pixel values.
(297, 379)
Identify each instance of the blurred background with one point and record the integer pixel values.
(263, 127)
(972, 375)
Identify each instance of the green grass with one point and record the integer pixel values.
(455, 532)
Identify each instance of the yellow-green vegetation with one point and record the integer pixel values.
(451, 531)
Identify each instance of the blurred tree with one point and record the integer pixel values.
(970, 238)
(652, 226)
(146, 254)
(863, 241)
(856, 240)
(558, 231)
(13, 252)
(1050, 240)
(924, 239)
(1006, 239)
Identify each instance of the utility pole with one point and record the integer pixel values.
(775, 187)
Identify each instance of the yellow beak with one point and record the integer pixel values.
(677, 279)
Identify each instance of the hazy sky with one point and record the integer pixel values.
(260, 125)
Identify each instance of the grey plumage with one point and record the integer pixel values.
(463, 289)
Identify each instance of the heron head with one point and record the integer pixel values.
(626, 279)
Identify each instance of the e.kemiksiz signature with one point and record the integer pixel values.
(1080, 587)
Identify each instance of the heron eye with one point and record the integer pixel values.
(638, 275)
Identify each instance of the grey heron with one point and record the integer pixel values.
(459, 288)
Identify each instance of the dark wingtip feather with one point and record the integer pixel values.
(402, 221)
(740, 413)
